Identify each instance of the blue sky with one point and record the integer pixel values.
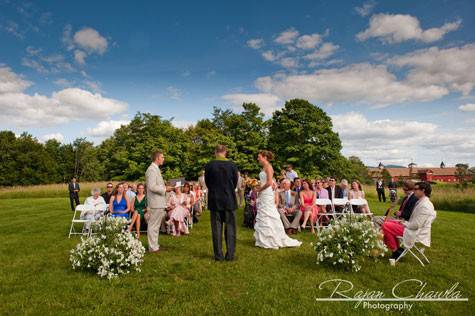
(397, 77)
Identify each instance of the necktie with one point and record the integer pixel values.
(288, 198)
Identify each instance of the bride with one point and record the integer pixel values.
(269, 230)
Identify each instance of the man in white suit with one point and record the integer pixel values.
(417, 228)
(156, 199)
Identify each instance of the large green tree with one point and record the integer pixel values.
(301, 134)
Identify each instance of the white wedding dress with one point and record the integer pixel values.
(269, 230)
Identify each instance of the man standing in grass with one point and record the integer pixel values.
(74, 189)
(221, 176)
(156, 200)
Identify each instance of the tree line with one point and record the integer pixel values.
(300, 134)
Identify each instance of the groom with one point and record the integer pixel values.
(221, 177)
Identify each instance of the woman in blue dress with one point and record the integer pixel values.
(119, 204)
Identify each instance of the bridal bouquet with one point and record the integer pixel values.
(110, 252)
(348, 241)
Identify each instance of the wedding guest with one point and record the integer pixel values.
(334, 191)
(240, 190)
(198, 196)
(307, 205)
(177, 212)
(392, 186)
(322, 193)
(407, 205)
(108, 194)
(119, 204)
(139, 208)
(189, 199)
(417, 228)
(95, 207)
(297, 186)
(288, 207)
(357, 192)
(325, 183)
(74, 189)
(344, 188)
(380, 190)
(291, 174)
(129, 192)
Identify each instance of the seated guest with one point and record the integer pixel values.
(197, 196)
(419, 220)
(96, 206)
(406, 208)
(107, 195)
(128, 192)
(325, 183)
(297, 187)
(177, 212)
(357, 192)
(189, 198)
(344, 188)
(253, 199)
(321, 193)
(139, 208)
(288, 207)
(307, 205)
(119, 204)
(334, 191)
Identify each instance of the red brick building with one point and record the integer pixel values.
(441, 174)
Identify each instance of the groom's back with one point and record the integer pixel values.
(221, 177)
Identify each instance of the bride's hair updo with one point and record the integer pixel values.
(267, 154)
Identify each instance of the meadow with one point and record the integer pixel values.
(36, 276)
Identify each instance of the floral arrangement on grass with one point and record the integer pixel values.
(110, 251)
(348, 241)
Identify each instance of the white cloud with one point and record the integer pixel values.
(395, 28)
(269, 56)
(289, 62)
(366, 8)
(182, 123)
(105, 128)
(325, 51)
(174, 93)
(453, 68)
(287, 37)
(470, 107)
(400, 141)
(80, 56)
(46, 64)
(90, 40)
(11, 82)
(365, 83)
(255, 43)
(63, 82)
(268, 102)
(57, 136)
(21, 109)
(309, 41)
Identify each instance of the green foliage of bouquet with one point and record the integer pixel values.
(110, 252)
(348, 241)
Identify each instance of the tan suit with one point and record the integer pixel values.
(157, 202)
(293, 205)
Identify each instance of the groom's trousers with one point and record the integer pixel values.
(228, 218)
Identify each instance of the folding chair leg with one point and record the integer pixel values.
(420, 261)
(402, 255)
(422, 253)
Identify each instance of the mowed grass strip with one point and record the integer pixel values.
(36, 276)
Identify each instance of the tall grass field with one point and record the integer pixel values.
(36, 277)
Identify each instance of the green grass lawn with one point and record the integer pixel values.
(36, 276)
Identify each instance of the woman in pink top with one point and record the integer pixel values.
(307, 205)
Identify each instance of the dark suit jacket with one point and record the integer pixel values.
(71, 188)
(221, 177)
(338, 192)
(409, 207)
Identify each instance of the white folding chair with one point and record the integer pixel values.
(323, 203)
(358, 203)
(77, 220)
(418, 250)
(344, 204)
